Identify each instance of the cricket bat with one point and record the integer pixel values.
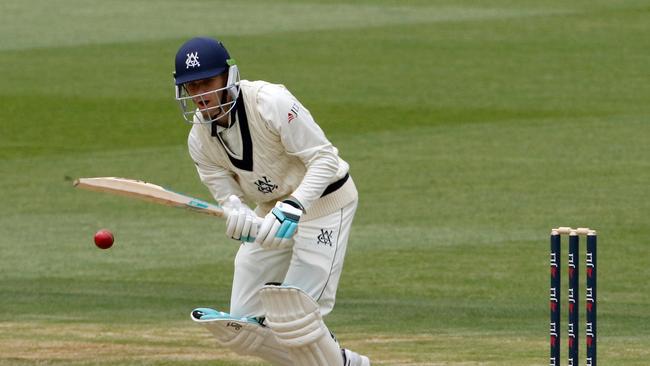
(149, 192)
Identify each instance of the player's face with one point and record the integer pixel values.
(206, 95)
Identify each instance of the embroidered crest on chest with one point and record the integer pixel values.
(265, 185)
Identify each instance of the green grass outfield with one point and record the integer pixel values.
(471, 129)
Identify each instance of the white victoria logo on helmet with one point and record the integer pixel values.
(192, 60)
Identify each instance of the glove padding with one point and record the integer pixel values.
(242, 222)
(279, 226)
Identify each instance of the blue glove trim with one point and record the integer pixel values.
(278, 214)
(281, 215)
(283, 229)
(288, 221)
(291, 230)
(287, 230)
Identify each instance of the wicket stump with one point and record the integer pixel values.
(573, 297)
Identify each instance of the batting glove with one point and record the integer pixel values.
(279, 226)
(241, 222)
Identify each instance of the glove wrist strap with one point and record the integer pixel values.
(291, 201)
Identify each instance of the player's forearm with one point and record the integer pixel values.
(321, 171)
(221, 186)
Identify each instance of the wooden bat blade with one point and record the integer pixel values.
(148, 192)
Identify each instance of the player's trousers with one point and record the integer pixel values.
(313, 264)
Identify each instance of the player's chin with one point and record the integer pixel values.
(211, 115)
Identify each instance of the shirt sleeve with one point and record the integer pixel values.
(301, 137)
(220, 181)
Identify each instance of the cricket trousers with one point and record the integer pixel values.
(313, 264)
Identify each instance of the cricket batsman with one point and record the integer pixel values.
(254, 143)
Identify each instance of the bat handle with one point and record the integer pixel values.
(226, 211)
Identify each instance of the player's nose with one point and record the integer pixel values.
(203, 102)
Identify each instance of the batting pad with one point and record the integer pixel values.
(295, 319)
(243, 335)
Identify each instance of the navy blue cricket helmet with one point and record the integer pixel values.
(204, 58)
(200, 58)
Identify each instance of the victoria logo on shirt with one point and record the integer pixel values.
(265, 185)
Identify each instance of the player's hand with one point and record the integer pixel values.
(279, 226)
(242, 222)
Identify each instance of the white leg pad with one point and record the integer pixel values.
(243, 335)
(295, 319)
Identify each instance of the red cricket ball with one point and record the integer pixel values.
(104, 239)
